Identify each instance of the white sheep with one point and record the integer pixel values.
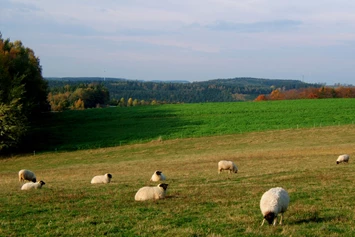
(151, 193)
(273, 202)
(26, 175)
(28, 186)
(157, 176)
(343, 158)
(227, 165)
(102, 179)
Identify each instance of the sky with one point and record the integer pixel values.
(193, 40)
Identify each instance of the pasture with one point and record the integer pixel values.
(199, 201)
(109, 127)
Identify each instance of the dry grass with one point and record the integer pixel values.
(199, 202)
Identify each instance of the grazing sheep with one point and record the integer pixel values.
(28, 186)
(102, 179)
(151, 193)
(26, 175)
(343, 158)
(273, 202)
(157, 176)
(227, 165)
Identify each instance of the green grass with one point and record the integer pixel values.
(199, 202)
(292, 144)
(97, 128)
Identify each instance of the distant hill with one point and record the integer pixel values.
(216, 90)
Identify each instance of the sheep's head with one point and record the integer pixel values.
(34, 180)
(270, 216)
(42, 183)
(109, 176)
(158, 172)
(338, 162)
(164, 186)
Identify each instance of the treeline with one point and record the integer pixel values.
(134, 92)
(80, 96)
(309, 93)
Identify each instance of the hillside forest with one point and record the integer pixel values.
(80, 93)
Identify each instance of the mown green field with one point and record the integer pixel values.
(199, 201)
(95, 128)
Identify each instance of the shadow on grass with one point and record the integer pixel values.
(107, 127)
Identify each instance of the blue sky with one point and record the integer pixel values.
(194, 40)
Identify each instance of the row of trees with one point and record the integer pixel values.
(309, 93)
(23, 91)
(78, 97)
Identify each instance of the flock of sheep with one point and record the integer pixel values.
(273, 202)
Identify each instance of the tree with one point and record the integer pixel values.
(23, 91)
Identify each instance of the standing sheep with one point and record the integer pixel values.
(227, 165)
(157, 176)
(343, 158)
(26, 175)
(273, 202)
(28, 186)
(151, 193)
(102, 179)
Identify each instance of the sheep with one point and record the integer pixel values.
(102, 179)
(227, 165)
(343, 158)
(157, 176)
(28, 186)
(151, 193)
(26, 175)
(273, 202)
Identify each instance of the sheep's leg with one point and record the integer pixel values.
(262, 223)
(275, 221)
(282, 215)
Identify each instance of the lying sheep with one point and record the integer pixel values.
(227, 165)
(343, 158)
(28, 186)
(102, 179)
(273, 202)
(26, 175)
(151, 193)
(157, 176)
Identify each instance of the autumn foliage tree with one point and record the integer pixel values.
(23, 91)
(91, 95)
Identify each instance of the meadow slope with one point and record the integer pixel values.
(109, 127)
(199, 202)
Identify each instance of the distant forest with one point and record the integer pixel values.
(217, 90)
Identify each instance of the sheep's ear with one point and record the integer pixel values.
(164, 186)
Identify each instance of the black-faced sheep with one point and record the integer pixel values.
(151, 193)
(227, 165)
(158, 176)
(273, 202)
(28, 186)
(26, 175)
(101, 179)
(343, 158)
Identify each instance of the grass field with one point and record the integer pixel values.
(97, 128)
(199, 201)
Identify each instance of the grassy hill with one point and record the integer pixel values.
(199, 201)
(292, 144)
(95, 128)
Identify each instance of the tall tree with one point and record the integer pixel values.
(23, 91)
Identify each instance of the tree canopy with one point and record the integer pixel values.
(23, 91)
